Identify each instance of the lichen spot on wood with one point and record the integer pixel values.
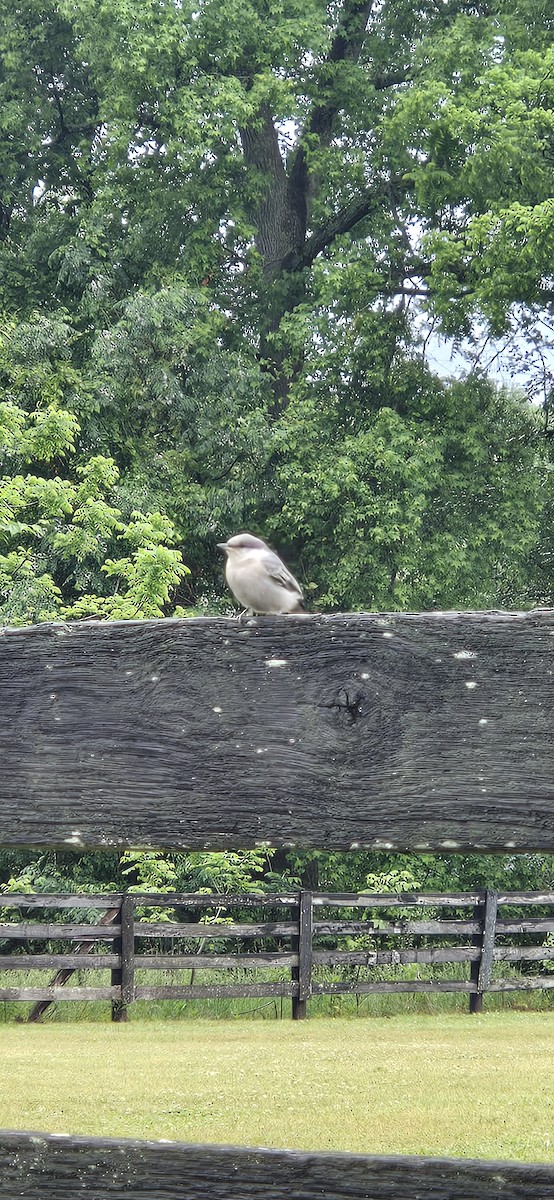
(216, 708)
(465, 654)
(470, 684)
(275, 662)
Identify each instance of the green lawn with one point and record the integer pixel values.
(442, 1085)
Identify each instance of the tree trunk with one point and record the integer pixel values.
(280, 236)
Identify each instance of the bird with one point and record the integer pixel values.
(258, 578)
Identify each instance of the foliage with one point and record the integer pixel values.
(226, 235)
(228, 225)
(65, 551)
(434, 500)
(198, 871)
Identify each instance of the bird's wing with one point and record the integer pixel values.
(277, 571)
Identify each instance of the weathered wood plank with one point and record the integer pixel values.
(487, 950)
(446, 954)
(301, 974)
(214, 991)
(390, 958)
(173, 929)
(127, 949)
(59, 993)
(530, 925)
(40, 1166)
(219, 899)
(305, 944)
(526, 898)
(400, 899)
(401, 731)
(522, 985)
(402, 926)
(430, 928)
(364, 987)
(59, 900)
(513, 953)
(214, 962)
(29, 931)
(54, 962)
(426, 899)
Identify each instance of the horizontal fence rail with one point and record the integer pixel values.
(426, 731)
(296, 945)
(45, 1167)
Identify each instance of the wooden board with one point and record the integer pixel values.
(413, 732)
(43, 1167)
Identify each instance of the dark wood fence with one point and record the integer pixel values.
(396, 731)
(42, 1167)
(285, 945)
(399, 731)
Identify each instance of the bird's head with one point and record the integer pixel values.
(241, 541)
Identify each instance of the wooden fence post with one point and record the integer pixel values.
(303, 972)
(124, 976)
(481, 969)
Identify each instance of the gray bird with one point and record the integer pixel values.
(258, 577)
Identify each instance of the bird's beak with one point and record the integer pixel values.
(222, 545)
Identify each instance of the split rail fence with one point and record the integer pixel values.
(274, 945)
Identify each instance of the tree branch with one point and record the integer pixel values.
(340, 222)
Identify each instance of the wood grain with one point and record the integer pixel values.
(401, 731)
(45, 1167)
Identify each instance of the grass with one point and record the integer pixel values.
(477, 1087)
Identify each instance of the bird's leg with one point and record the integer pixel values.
(245, 612)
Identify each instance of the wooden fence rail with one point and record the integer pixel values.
(297, 939)
(428, 731)
(46, 1167)
(414, 732)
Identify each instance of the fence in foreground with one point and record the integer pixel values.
(42, 1167)
(298, 945)
(414, 732)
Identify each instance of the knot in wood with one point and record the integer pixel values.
(349, 701)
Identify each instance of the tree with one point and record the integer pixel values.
(244, 212)
(222, 231)
(65, 551)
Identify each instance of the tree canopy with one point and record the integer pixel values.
(226, 232)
